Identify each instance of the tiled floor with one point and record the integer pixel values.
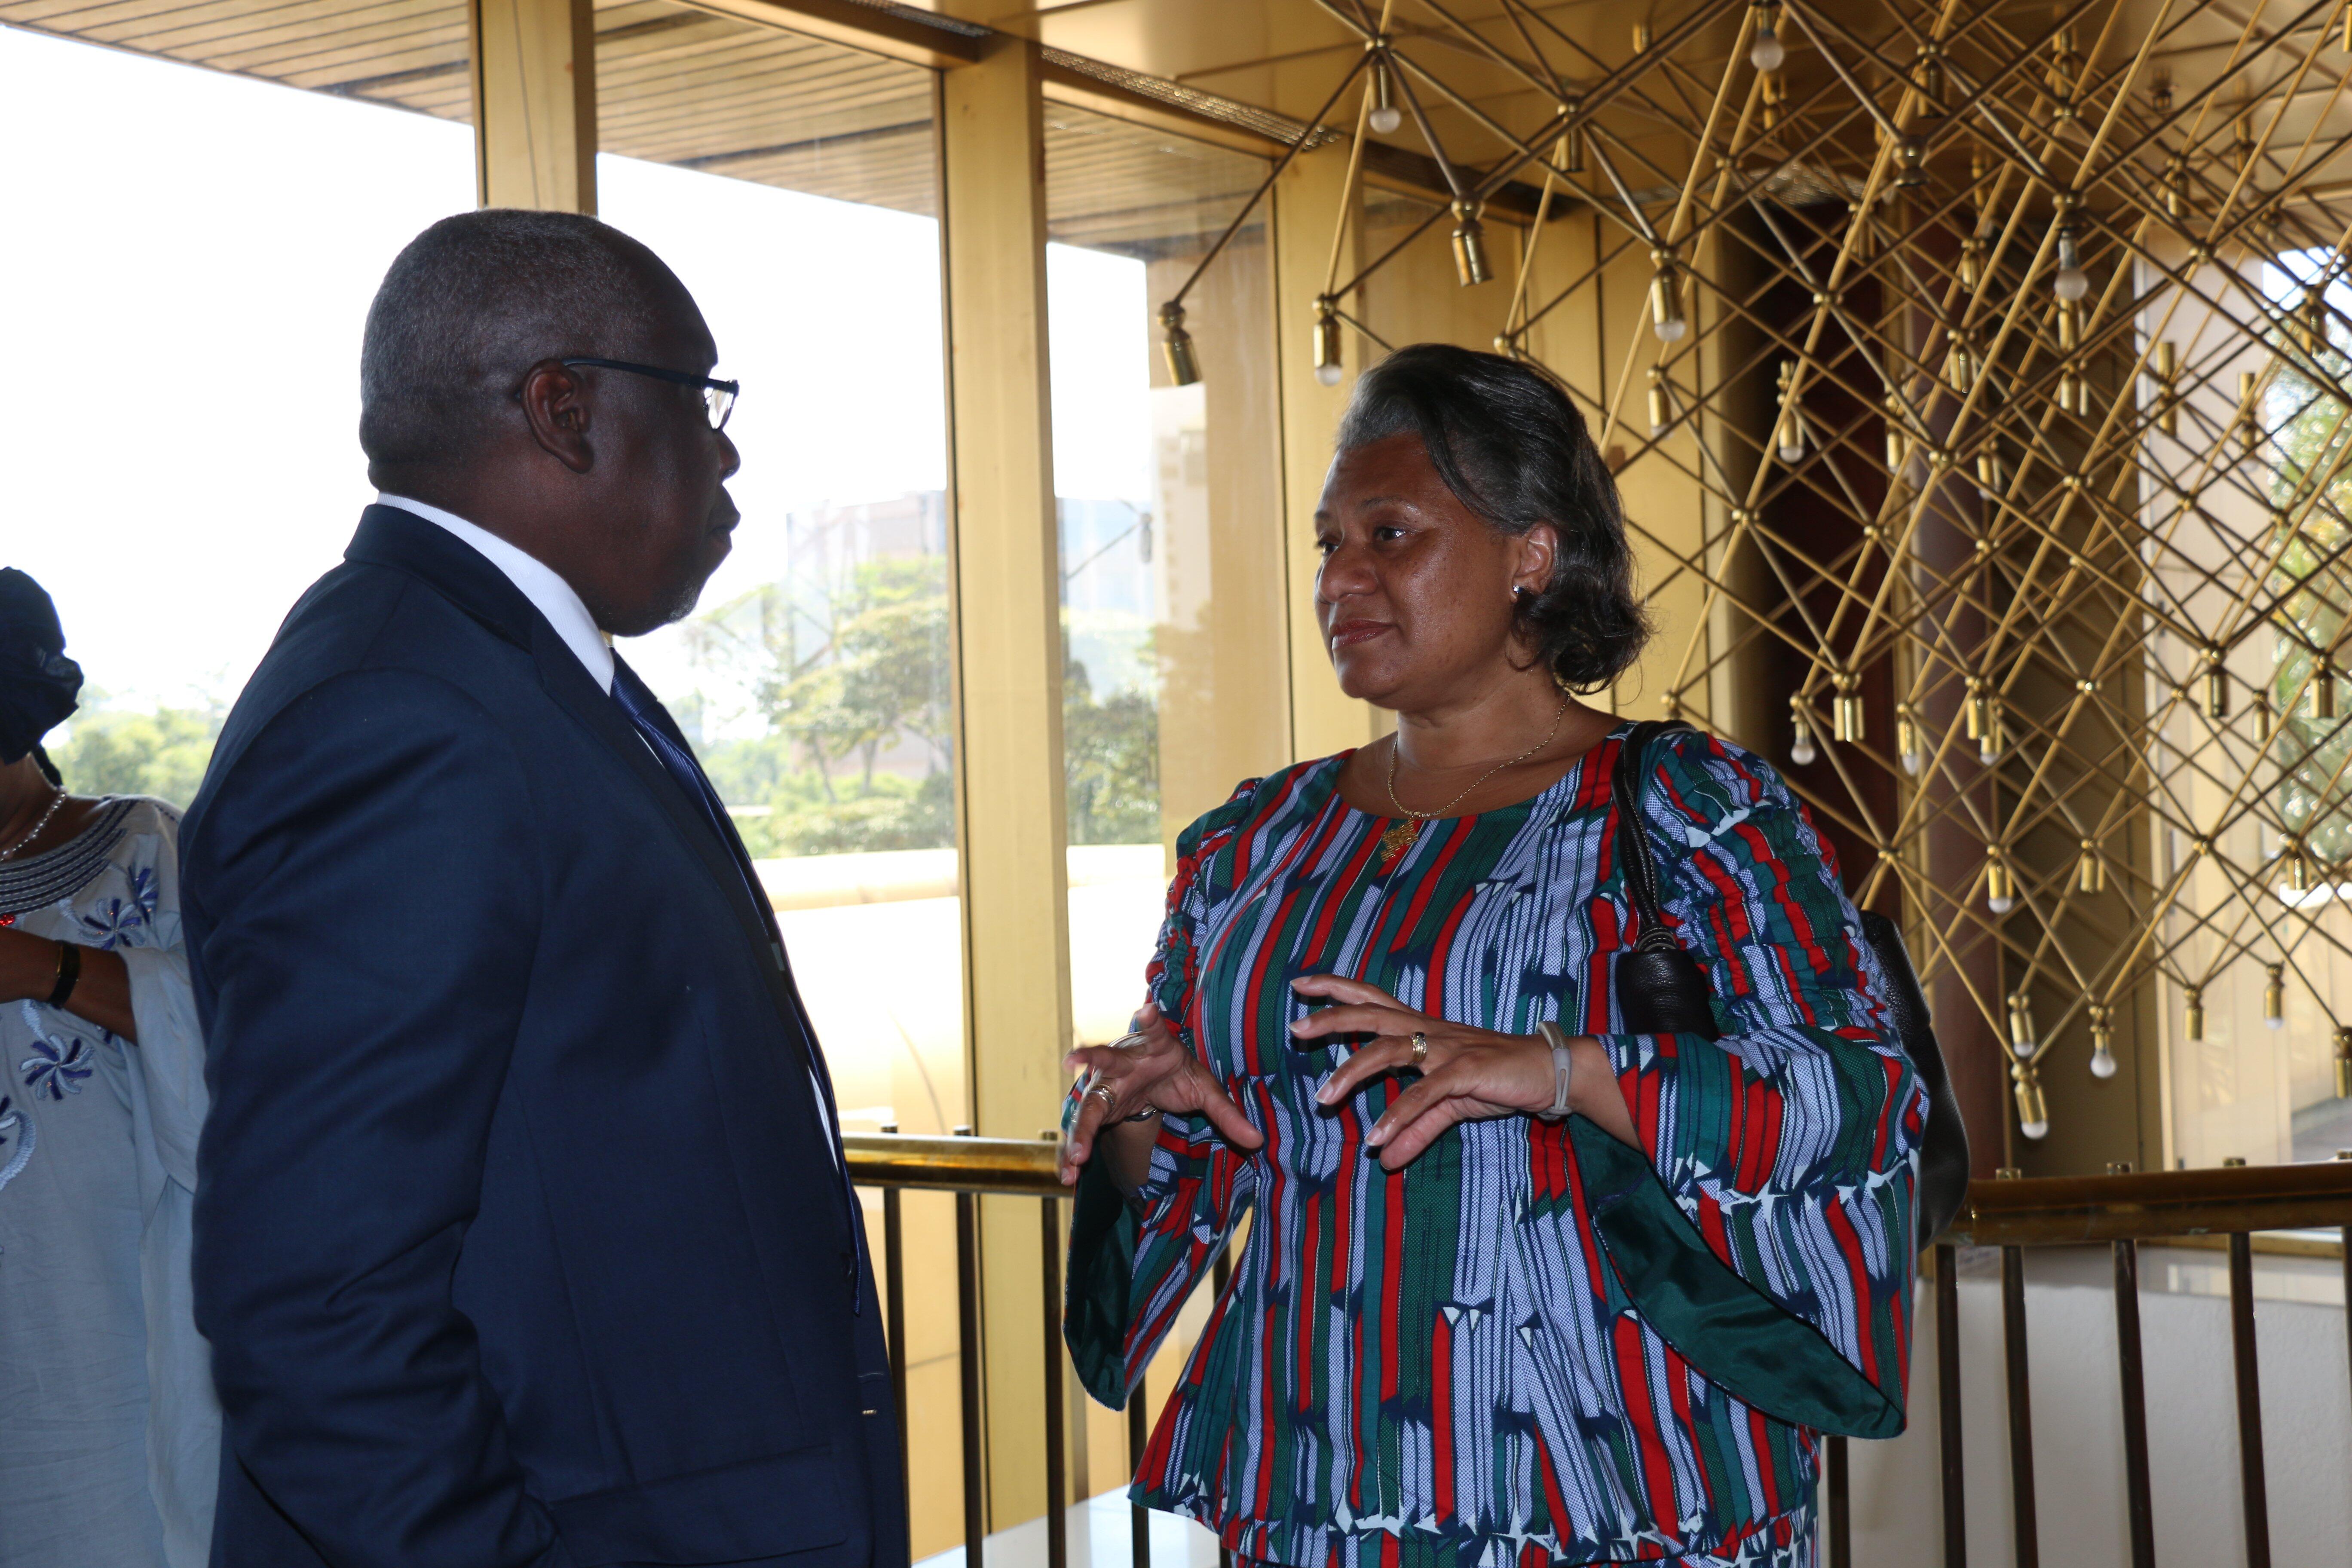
(1101, 1536)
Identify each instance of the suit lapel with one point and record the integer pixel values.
(390, 537)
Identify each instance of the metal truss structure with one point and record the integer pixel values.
(2003, 351)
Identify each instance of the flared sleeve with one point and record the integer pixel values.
(1767, 1235)
(1134, 1260)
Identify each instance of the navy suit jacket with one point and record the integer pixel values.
(519, 1238)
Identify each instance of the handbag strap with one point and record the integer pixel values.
(1625, 784)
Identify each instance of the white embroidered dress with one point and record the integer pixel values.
(108, 1431)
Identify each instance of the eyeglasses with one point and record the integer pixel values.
(718, 396)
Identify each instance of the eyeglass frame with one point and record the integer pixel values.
(732, 389)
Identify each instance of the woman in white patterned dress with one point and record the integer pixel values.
(108, 1434)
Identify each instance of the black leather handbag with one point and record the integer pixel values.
(1662, 989)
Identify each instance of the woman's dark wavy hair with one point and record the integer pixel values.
(1512, 447)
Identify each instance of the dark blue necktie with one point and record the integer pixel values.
(636, 700)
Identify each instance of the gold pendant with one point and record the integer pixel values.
(1395, 842)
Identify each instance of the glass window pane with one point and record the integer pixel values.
(791, 182)
(1176, 674)
(204, 244)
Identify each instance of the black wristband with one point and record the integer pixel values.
(68, 974)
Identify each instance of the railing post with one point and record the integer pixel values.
(1947, 1406)
(1139, 1437)
(2140, 1506)
(1838, 1513)
(2252, 1485)
(975, 1513)
(2020, 1402)
(1057, 1513)
(894, 1313)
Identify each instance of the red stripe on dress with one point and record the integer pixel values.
(1441, 1414)
(1310, 1225)
(1840, 1226)
(1641, 1418)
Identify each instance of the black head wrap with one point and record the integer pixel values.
(37, 682)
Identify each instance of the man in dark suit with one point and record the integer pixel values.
(523, 1234)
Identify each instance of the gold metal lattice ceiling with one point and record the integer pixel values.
(2001, 351)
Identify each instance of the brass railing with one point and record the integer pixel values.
(2121, 1210)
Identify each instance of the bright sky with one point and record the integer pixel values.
(191, 257)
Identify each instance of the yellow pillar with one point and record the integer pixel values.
(534, 104)
(1009, 671)
(1308, 201)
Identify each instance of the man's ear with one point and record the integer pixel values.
(555, 403)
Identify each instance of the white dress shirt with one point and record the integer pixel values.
(539, 582)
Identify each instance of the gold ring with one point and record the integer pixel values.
(1420, 1048)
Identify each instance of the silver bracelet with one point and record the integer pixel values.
(1557, 1039)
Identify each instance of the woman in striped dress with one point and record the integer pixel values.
(1463, 1332)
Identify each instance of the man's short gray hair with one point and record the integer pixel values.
(475, 300)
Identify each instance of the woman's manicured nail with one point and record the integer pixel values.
(1298, 1026)
(1327, 1094)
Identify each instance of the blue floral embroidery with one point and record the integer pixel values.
(13, 1120)
(111, 922)
(55, 1069)
(144, 892)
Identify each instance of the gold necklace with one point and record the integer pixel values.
(1399, 838)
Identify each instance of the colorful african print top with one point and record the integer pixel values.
(1533, 1345)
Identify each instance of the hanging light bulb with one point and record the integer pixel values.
(2168, 396)
(1845, 708)
(1573, 152)
(2193, 1013)
(2000, 893)
(1990, 742)
(1765, 52)
(2103, 1042)
(2274, 996)
(2090, 870)
(1776, 99)
(2071, 282)
(1959, 365)
(1329, 371)
(1183, 365)
(1665, 300)
(1979, 709)
(2298, 866)
(2176, 187)
(1907, 740)
(1661, 408)
(2343, 1063)
(2262, 714)
(1989, 479)
(2323, 693)
(1469, 244)
(1928, 76)
(2020, 1024)
(2217, 685)
(2032, 1110)
(1972, 258)
(2250, 426)
(1910, 162)
(1801, 750)
(1789, 435)
(1898, 442)
(1385, 116)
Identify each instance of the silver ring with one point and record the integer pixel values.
(1420, 1048)
(1104, 1092)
